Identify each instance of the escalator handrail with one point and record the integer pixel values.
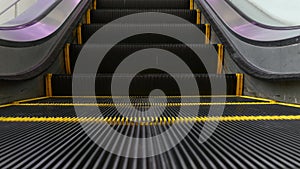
(244, 15)
(9, 6)
(236, 55)
(32, 15)
(252, 33)
(41, 27)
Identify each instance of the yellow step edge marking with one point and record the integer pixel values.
(207, 33)
(88, 16)
(48, 85)
(6, 105)
(256, 98)
(198, 20)
(239, 84)
(191, 4)
(32, 99)
(143, 104)
(67, 59)
(95, 4)
(203, 96)
(272, 101)
(79, 35)
(220, 58)
(288, 104)
(161, 120)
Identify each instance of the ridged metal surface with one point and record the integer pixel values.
(142, 99)
(108, 15)
(247, 144)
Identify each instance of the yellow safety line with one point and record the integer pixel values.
(207, 33)
(145, 104)
(95, 4)
(220, 58)
(79, 36)
(239, 84)
(288, 104)
(48, 85)
(191, 4)
(31, 99)
(198, 21)
(272, 101)
(202, 96)
(67, 59)
(154, 120)
(256, 98)
(88, 16)
(6, 105)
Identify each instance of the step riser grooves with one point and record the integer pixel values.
(142, 85)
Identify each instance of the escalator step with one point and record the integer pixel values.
(142, 84)
(234, 144)
(108, 15)
(87, 30)
(143, 4)
(119, 52)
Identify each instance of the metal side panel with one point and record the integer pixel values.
(260, 52)
(26, 53)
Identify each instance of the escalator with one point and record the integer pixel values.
(74, 126)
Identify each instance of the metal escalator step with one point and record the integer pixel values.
(89, 29)
(144, 4)
(108, 15)
(145, 99)
(62, 108)
(143, 83)
(185, 52)
(236, 144)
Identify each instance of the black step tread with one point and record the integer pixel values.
(143, 83)
(145, 99)
(119, 52)
(41, 109)
(143, 4)
(108, 15)
(88, 30)
(234, 144)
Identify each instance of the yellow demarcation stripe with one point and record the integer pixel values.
(239, 84)
(202, 96)
(143, 104)
(256, 98)
(191, 4)
(288, 104)
(79, 36)
(207, 33)
(220, 58)
(31, 99)
(88, 16)
(146, 120)
(6, 105)
(48, 85)
(95, 4)
(198, 21)
(67, 59)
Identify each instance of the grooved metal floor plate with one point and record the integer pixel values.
(59, 139)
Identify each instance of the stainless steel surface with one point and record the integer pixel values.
(267, 62)
(43, 28)
(30, 15)
(247, 30)
(9, 5)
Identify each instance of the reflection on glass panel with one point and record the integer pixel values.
(10, 9)
(279, 13)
